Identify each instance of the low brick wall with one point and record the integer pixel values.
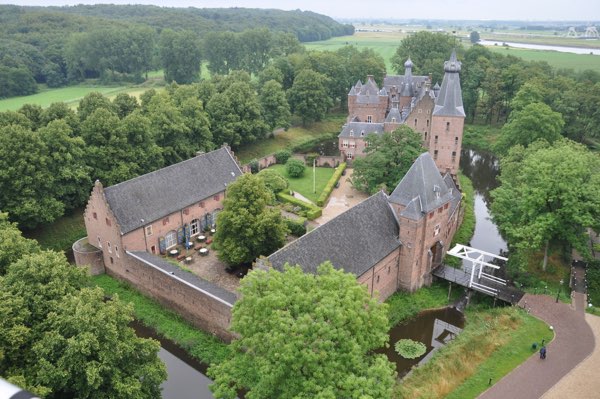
(174, 289)
(88, 256)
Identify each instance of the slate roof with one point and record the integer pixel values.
(354, 241)
(187, 277)
(359, 127)
(394, 113)
(449, 99)
(456, 195)
(422, 189)
(164, 191)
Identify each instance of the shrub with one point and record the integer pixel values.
(254, 167)
(310, 157)
(331, 184)
(294, 167)
(273, 180)
(282, 156)
(409, 349)
(310, 211)
(296, 228)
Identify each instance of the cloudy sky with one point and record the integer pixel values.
(580, 10)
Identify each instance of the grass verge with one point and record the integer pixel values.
(403, 306)
(493, 342)
(199, 344)
(293, 137)
(467, 227)
(60, 234)
(304, 184)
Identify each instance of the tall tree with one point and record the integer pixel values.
(223, 51)
(308, 96)
(12, 243)
(534, 122)
(180, 55)
(124, 104)
(548, 192)
(62, 340)
(247, 228)
(306, 335)
(91, 102)
(388, 158)
(274, 105)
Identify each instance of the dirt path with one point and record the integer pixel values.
(573, 342)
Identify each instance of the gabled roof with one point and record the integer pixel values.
(449, 99)
(456, 195)
(422, 189)
(357, 128)
(144, 199)
(354, 241)
(394, 113)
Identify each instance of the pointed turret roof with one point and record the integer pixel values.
(422, 188)
(449, 100)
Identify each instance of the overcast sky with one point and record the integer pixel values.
(580, 10)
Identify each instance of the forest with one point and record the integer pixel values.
(58, 46)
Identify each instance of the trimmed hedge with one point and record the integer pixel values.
(312, 212)
(296, 228)
(331, 184)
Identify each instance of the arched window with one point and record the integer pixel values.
(171, 239)
(195, 227)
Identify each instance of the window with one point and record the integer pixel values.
(362, 133)
(446, 206)
(349, 155)
(148, 231)
(427, 122)
(436, 231)
(430, 215)
(171, 239)
(377, 278)
(369, 118)
(95, 215)
(440, 209)
(389, 269)
(117, 251)
(165, 220)
(393, 120)
(109, 247)
(435, 140)
(216, 197)
(195, 227)
(447, 126)
(427, 112)
(352, 144)
(415, 121)
(435, 153)
(112, 261)
(201, 204)
(345, 143)
(99, 242)
(420, 111)
(453, 156)
(108, 222)
(425, 136)
(186, 211)
(352, 133)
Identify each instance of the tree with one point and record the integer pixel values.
(274, 105)
(124, 104)
(294, 167)
(180, 55)
(428, 51)
(246, 228)
(63, 340)
(273, 180)
(388, 158)
(474, 37)
(534, 122)
(12, 243)
(223, 51)
(308, 96)
(306, 335)
(548, 192)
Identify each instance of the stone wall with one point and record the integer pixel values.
(382, 279)
(88, 256)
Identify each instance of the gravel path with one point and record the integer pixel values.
(573, 342)
(341, 199)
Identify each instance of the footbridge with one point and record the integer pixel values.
(478, 273)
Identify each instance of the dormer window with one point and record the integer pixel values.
(362, 133)
(393, 120)
(351, 133)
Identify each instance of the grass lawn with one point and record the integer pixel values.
(294, 136)
(61, 234)
(304, 184)
(199, 344)
(70, 95)
(493, 342)
(577, 62)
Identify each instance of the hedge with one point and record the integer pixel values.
(312, 212)
(296, 228)
(331, 184)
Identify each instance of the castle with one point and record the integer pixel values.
(389, 242)
(435, 112)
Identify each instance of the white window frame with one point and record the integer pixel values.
(369, 118)
(349, 155)
(194, 227)
(148, 230)
(170, 243)
(352, 133)
(109, 247)
(352, 144)
(117, 251)
(436, 230)
(345, 143)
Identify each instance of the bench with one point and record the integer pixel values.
(197, 247)
(208, 241)
(181, 257)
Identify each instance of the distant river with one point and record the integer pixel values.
(562, 49)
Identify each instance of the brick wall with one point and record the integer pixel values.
(382, 279)
(376, 110)
(449, 132)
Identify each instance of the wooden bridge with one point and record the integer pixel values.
(479, 275)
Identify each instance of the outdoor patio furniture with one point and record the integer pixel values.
(181, 257)
(209, 241)
(197, 247)
(201, 238)
(212, 231)
(188, 260)
(173, 252)
(203, 251)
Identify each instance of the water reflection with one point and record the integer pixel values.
(483, 169)
(434, 328)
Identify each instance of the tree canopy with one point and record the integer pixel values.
(548, 192)
(246, 227)
(308, 96)
(388, 158)
(305, 335)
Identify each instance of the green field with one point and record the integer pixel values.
(304, 184)
(578, 62)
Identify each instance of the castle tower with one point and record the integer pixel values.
(448, 118)
(407, 92)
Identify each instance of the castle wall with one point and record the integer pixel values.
(382, 279)
(420, 119)
(445, 142)
(376, 110)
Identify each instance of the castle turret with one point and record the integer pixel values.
(448, 119)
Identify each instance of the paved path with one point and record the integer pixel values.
(573, 342)
(341, 199)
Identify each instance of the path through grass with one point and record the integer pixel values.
(304, 184)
